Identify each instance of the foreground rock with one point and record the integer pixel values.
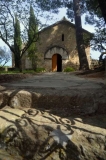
(63, 102)
(30, 134)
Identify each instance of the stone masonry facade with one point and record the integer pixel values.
(51, 42)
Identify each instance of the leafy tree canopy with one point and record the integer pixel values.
(14, 13)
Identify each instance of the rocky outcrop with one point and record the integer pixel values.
(58, 125)
(37, 135)
(67, 103)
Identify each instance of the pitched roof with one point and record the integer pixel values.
(63, 20)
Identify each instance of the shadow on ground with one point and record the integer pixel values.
(31, 139)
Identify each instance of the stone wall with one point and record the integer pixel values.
(50, 39)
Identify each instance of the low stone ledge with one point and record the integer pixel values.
(80, 104)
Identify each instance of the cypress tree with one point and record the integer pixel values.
(32, 36)
(17, 44)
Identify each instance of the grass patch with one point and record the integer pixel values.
(15, 71)
(69, 69)
(9, 72)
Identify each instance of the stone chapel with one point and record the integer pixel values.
(57, 47)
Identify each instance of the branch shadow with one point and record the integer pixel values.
(31, 140)
(54, 104)
(19, 135)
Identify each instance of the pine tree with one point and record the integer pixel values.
(32, 36)
(79, 37)
(17, 44)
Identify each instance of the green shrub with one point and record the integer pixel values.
(69, 69)
(9, 71)
(40, 70)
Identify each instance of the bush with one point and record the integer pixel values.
(69, 69)
(40, 70)
(6, 70)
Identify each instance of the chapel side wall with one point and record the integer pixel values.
(74, 58)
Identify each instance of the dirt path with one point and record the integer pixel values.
(55, 80)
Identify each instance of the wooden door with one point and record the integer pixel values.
(54, 63)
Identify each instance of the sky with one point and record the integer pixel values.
(59, 16)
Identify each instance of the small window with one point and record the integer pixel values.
(62, 37)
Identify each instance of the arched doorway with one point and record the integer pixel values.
(57, 63)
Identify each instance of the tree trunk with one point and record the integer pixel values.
(18, 63)
(102, 5)
(20, 66)
(79, 37)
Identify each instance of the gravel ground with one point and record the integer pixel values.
(4, 78)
